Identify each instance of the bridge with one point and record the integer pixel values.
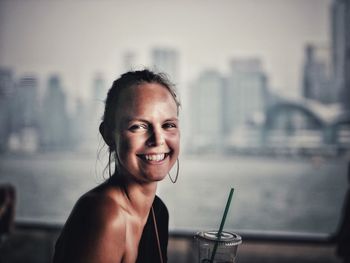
(324, 124)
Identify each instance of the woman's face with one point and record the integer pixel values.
(147, 133)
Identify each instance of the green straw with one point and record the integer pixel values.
(222, 224)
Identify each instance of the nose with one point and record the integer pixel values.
(156, 138)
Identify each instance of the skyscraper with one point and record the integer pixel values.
(206, 123)
(24, 111)
(166, 60)
(6, 87)
(27, 102)
(6, 82)
(317, 83)
(89, 115)
(54, 120)
(341, 50)
(246, 93)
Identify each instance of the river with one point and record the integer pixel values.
(272, 194)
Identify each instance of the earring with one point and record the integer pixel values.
(109, 164)
(177, 172)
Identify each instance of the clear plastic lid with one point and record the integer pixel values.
(226, 237)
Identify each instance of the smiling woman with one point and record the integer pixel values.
(122, 220)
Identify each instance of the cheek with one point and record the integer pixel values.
(127, 145)
(174, 142)
(123, 147)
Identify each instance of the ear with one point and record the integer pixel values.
(106, 135)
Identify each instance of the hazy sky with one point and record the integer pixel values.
(77, 38)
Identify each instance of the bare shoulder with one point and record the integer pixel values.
(94, 232)
(99, 207)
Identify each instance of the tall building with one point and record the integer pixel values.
(55, 133)
(89, 115)
(317, 83)
(341, 49)
(6, 82)
(166, 60)
(27, 102)
(207, 96)
(99, 90)
(24, 115)
(6, 87)
(246, 94)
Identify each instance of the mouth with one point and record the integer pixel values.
(154, 157)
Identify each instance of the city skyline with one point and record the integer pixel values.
(92, 37)
(244, 92)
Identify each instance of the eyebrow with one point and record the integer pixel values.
(127, 120)
(172, 119)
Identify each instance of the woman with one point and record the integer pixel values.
(122, 220)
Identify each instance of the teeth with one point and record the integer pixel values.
(155, 157)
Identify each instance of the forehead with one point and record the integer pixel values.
(143, 98)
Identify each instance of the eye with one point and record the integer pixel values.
(169, 125)
(138, 127)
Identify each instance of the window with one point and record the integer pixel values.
(260, 83)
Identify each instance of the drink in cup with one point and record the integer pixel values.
(226, 246)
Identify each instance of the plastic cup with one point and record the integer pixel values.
(226, 248)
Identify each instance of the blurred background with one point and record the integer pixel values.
(265, 106)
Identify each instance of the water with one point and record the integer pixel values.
(270, 194)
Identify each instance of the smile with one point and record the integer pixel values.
(154, 157)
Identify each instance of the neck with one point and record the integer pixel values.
(138, 196)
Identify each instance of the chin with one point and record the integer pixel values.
(154, 177)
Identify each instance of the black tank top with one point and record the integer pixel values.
(148, 247)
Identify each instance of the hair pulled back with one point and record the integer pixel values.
(127, 80)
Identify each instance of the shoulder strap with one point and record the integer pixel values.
(157, 236)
